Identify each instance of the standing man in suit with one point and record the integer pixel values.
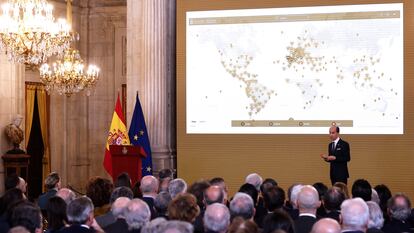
(338, 156)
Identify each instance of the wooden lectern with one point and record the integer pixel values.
(127, 158)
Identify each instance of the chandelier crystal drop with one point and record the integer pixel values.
(29, 33)
(67, 76)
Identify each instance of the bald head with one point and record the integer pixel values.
(308, 200)
(326, 225)
(119, 206)
(149, 185)
(214, 194)
(66, 194)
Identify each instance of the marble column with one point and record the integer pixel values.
(11, 103)
(151, 73)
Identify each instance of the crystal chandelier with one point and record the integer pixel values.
(29, 33)
(67, 76)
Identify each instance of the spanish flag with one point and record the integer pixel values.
(118, 135)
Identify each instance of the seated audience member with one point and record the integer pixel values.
(123, 180)
(176, 187)
(80, 216)
(108, 218)
(278, 220)
(343, 187)
(218, 181)
(291, 207)
(66, 194)
(240, 225)
(254, 179)
(27, 215)
(354, 215)
(261, 210)
(399, 209)
(274, 198)
(250, 190)
(161, 203)
(376, 220)
(56, 214)
(332, 201)
(184, 208)
(197, 189)
(154, 226)
(216, 218)
(137, 190)
(149, 189)
(361, 188)
(322, 189)
(308, 203)
(384, 194)
(165, 176)
(242, 206)
(10, 198)
(15, 181)
(176, 227)
(137, 214)
(267, 183)
(326, 225)
(118, 210)
(52, 184)
(213, 194)
(99, 191)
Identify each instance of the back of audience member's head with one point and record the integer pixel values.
(18, 229)
(399, 207)
(267, 183)
(384, 195)
(218, 181)
(184, 208)
(293, 198)
(28, 216)
(80, 211)
(52, 181)
(321, 188)
(137, 214)
(123, 180)
(333, 199)
(136, 190)
(99, 191)
(361, 188)
(56, 213)
(375, 197)
(119, 206)
(176, 227)
(278, 219)
(165, 174)
(11, 181)
(213, 194)
(66, 194)
(149, 185)
(254, 179)
(154, 226)
(308, 199)
(343, 187)
(354, 215)
(240, 225)
(250, 190)
(242, 206)
(10, 197)
(121, 191)
(176, 187)
(216, 218)
(326, 225)
(274, 198)
(197, 189)
(161, 202)
(376, 220)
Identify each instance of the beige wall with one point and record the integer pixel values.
(378, 158)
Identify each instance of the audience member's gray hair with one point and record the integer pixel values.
(137, 214)
(119, 206)
(399, 206)
(121, 191)
(162, 200)
(376, 220)
(254, 179)
(216, 218)
(66, 194)
(294, 195)
(375, 197)
(308, 198)
(175, 226)
(242, 206)
(149, 184)
(154, 226)
(355, 214)
(78, 210)
(176, 187)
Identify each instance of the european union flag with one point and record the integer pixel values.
(139, 137)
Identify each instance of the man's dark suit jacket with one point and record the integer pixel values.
(75, 228)
(396, 226)
(334, 214)
(150, 203)
(304, 223)
(119, 226)
(42, 201)
(339, 167)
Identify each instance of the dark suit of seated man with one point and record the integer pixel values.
(80, 216)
